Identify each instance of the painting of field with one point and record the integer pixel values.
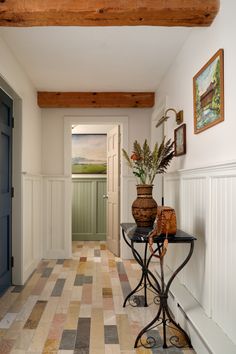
(89, 154)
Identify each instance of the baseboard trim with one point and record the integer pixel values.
(29, 270)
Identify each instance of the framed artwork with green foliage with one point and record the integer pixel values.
(208, 93)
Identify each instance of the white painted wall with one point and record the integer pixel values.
(26, 157)
(18, 80)
(218, 143)
(56, 139)
(202, 197)
(53, 131)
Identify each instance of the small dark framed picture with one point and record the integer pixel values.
(180, 140)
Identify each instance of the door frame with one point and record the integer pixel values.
(17, 222)
(122, 121)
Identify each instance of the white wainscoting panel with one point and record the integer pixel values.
(205, 200)
(57, 217)
(224, 252)
(32, 223)
(193, 221)
(172, 193)
(187, 194)
(172, 198)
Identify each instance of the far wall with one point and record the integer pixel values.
(137, 126)
(53, 131)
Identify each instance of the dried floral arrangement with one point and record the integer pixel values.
(146, 164)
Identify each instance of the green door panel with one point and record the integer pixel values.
(88, 209)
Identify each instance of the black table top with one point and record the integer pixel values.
(140, 234)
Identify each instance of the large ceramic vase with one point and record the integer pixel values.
(144, 208)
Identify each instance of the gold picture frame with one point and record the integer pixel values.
(208, 93)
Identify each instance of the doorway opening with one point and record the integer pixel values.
(89, 182)
(100, 196)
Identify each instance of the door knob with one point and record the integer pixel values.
(105, 196)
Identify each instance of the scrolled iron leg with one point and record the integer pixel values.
(143, 265)
(179, 329)
(144, 281)
(144, 330)
(163, 315)
(169, 317)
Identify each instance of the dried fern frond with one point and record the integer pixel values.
(146, 164)
(127, 158)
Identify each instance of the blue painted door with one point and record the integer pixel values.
(5, 189)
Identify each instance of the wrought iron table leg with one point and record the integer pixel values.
(134, 290)
(149, 339)
(163, 315)
(146, 273)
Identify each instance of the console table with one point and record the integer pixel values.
(133, 235)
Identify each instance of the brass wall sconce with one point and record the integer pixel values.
(179, 117)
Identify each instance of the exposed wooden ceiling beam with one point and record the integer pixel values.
(96, 99)
(188, 13)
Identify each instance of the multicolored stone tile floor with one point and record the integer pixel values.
(76, 306)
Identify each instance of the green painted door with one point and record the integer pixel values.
(89, 209)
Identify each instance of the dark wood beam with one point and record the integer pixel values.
(188, 13)
(96, 99)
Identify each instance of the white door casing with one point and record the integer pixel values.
(122, 121)
(113, 190)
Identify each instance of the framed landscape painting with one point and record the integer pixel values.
(89, 153)
(208, 93)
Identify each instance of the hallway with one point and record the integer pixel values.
(75, 306)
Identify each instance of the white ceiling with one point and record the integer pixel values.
(95, 58)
